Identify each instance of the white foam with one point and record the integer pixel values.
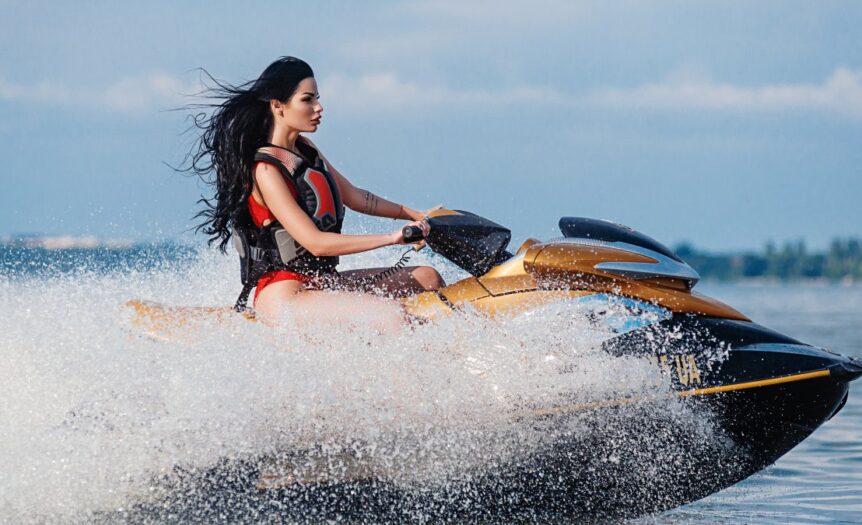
(92, 413)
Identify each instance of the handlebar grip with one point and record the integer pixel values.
(411, 234)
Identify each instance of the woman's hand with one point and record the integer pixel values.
(398, 235)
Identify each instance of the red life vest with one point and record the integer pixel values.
(271, 247)
(316, 190)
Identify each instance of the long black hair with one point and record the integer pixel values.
(231, 131)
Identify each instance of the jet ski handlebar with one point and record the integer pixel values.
(412, 234)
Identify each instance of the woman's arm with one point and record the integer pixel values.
(363, 201)
(277, 197)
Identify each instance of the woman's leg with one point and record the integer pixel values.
(339, 308)
(401, 283)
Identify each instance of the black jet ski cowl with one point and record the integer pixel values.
(608, 231)
(847, 371)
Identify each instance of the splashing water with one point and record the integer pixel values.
(98, 422)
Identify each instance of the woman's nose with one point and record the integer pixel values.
(318, 108)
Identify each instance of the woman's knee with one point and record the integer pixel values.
(428, 277)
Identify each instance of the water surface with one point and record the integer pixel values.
(96, 417)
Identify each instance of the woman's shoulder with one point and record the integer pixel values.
(266, 168)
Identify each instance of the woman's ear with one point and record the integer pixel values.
(276, 107)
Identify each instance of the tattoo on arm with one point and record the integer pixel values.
(371, 203)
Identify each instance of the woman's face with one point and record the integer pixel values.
(302, 112)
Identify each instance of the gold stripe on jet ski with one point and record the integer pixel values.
(755, 384)
(685, 393)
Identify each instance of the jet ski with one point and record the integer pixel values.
(764, 394)
(767, 393)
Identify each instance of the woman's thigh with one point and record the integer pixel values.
(269, 301)
(327, 307)
(399, 283)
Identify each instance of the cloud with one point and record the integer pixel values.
(442, 27)
(431, 30)
(526, 15)
(386, 92)
(382, 92)
(130, 95)
(840, 93)
(40, 92)
(148, 92)
(403, 45)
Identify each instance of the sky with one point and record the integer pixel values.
(724, 124)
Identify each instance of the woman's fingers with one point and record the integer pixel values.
(423, 226)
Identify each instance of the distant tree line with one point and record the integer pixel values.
(842, 261)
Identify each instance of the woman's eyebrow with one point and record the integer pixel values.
(310, 93)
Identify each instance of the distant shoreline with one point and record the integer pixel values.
(771, 281)
(64, 242)
(841, 262)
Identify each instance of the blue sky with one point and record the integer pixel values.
(721, 123)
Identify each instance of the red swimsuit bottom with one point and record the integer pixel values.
(260, 214)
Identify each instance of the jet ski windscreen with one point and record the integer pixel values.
(600, 230)
(473, 243)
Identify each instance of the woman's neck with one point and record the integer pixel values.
(284, 139)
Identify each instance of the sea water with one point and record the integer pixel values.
(99, 421)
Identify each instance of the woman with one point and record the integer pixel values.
(277, 192)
